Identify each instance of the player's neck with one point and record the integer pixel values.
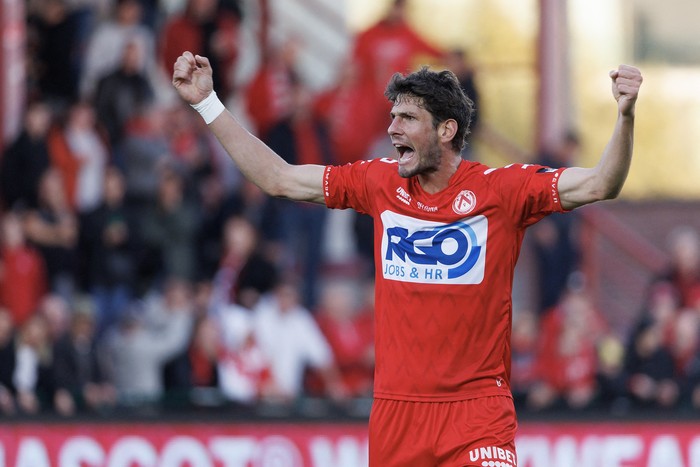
(437, 181)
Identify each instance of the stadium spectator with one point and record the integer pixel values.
(244, 274)
(269, 96)
(301, 138)
(292, 342)
(55, 58)
(123, 92)
(349, 331)
(23, 276)
(33, 376)
(150, 334)
(206, 29)
(555, 244)
(52, 228)
(460, 63)
(243, 368)
(144, 151)
(684, 269)
(567, 356)
(169, 227)
(348, 111)
(7, 363)
(106, 47)
(79, 151)
(650, 368)
(26, 159)
(389, 46)
(80, 381)
(611, 379)
(524, 345)
(111, 248)
(203, 353)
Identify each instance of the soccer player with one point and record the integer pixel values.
(447, 236)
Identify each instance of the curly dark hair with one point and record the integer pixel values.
(438, 92)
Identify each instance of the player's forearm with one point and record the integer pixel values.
(614, 165)
(256, 161)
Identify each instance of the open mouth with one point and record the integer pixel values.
(404, 152)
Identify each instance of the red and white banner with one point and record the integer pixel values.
(326, 445)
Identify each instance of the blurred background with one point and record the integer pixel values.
(155, 306)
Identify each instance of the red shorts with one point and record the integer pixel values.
(476, 432)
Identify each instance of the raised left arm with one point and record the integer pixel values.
(579, 186)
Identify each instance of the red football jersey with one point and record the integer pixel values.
(444, 271)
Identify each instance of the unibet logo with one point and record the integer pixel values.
(415, 250)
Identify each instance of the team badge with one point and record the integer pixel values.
(464, 203)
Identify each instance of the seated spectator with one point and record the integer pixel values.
(567, 359)
(611, 377)
(649, 367)
(79, 151)
(291, 341)
(244, 274)
(524, 344)
(33, 377)
(7, 363)
(149, 335)
(80, 382)
(684, 270)
(123, 92)
(243, 368)
(23, 280)
(26, 159)
(350, 335)
(111, 250)
(203, 28)
(109, 40)
(52, 228)
(168, 228)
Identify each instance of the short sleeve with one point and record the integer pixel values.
(348, 186)
(527, 192)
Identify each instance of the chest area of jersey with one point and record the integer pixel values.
(429, 252)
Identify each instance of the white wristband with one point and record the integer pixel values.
(209, 108)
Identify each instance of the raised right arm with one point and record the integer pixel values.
(256, 161)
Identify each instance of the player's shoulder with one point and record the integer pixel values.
(515, 170)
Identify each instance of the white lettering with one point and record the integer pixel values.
(132, 450)
(347, 453)
(694, 452)
(664, 450)
(185, 450)
(233, 451)
(32, 453)
(81, 450)
(620, 449)
(277, 450)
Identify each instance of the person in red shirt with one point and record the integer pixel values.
(447, 236)
(389, 46)
(23, 276)
(206, 29)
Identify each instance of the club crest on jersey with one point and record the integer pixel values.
(464, 202)
(416, 250)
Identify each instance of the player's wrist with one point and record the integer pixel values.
(209, 108)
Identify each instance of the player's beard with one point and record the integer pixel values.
(429, 161)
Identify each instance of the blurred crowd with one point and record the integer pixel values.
(139, 269)
(567, 356)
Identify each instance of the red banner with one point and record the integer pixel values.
(326, 445)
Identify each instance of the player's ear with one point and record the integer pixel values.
(447, 130)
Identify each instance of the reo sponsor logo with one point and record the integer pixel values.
(415, 250)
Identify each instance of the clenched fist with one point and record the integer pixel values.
(626, 81)
(192, 77)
